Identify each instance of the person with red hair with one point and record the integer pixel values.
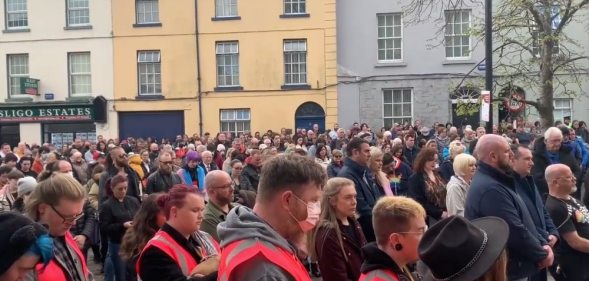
(179, 250)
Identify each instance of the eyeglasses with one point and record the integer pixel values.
(571, 178)
(166, 162)
(122, 156)
(67, 220)
(229, 185)
(421, 232)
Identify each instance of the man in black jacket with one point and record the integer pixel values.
(492, 193)
(549, 150)
(163, 179)
(117, 162)
(410, 151)
(356, 169)
(250, 176)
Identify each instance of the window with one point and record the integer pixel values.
(295, 7)
(18, 67)
(457, 34)
(80, 74)
(562, 107)
(295, 62)
(397, 106)
(235, 121)
(78, 12)
(16, 14)
(225, 8)
(227, 64)
(537, 43)
(149, 68)
(147, 11)
(390, 37)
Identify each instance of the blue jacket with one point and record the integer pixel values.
(367, 194)
(187, 178)
(526, 189)
(493, 193)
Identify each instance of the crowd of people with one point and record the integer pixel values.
(406, 203)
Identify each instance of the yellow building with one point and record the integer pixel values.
(155, 74)
(267, 64)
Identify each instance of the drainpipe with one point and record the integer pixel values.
(198, 77)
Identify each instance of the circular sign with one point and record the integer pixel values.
(515, 103)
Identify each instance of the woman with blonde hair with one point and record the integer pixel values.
(375, 166)
(464, 168)
(337, 241)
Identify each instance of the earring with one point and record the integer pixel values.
(398, 247)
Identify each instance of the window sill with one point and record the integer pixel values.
(155, 24)
(150, 97)
(226, 18)
(16, 30)
(459, 62)
(228, 89)
(288, 16)
(18, 99)
(79, 98)
(78, 27)
(390, 64)
(296, 87)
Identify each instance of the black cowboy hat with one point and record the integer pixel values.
(455, 249)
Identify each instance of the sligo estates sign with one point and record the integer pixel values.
(47, 113)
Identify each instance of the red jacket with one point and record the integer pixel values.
(55, 269)
(241, 251)
(163, 241)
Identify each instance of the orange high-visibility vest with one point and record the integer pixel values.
(379, 275)
(163, 241)
(54, 271)
(241, 251)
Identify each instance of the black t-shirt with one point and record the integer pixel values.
(568, 215)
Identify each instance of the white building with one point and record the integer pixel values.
(67, 46)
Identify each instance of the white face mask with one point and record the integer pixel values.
(313, 213)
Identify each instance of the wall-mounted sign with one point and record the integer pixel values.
(29, 86)
(49, 96)
(47, 113)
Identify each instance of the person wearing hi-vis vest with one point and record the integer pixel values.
(58, 202)
(179, 251)
(399, 224)
(260, 244)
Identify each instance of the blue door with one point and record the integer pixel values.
(310, 113)
(155, 124)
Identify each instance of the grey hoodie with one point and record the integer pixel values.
(241, 223)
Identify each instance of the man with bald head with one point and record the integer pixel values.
(219, 188)
(80, 167)
(572, 219)
(492, 193)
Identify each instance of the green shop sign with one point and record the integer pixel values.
(47, 113)
(29, 86)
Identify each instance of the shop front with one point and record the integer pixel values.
(56, 122)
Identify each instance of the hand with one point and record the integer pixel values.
(548, 260)
(128, 224)
(552, 240)
(207, 266)
(444, 215)
(80, 240)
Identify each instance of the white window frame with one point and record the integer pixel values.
(149, 72)
(14, 89)
(74, 15)
(453, 36)
(75, 74)
(289, 7)
(141, 11)
(391, 115)
(386, 34)
(227, 51)
(537, 44)
(8, 13)
(295, 55)
(240, 118)
(226, 8)
(563, 109)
